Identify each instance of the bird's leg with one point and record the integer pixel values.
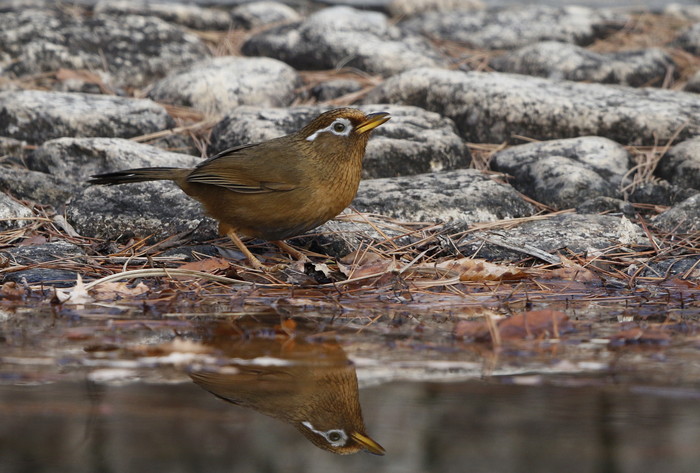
(254, 262)
(293, 252)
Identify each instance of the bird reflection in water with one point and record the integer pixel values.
(312, 386)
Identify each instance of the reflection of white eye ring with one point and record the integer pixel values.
(334, 437)
(339, 127)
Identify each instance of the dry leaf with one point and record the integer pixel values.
(75, 295)
(209, 265)
(469, 269)
(571, 271)
(535, 324)
(114, 290)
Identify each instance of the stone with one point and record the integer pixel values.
(74, 160)
(333, 89)
(563, 233)
(403, 8)
(259, 14)
(463, 196)
(516, 26)
(689, 39)
(134, 50)
(563, 173)
(495, 107)
(191, 16)
(682, 218)
(44, 261)
(683, 12)
(693, 84)
(36, 116)
(606, 205)
(154, 210)
(13, 214)
(413, 141)
(557, 60)
(38, 187)
(344, 37)
(680, 165)
(218, 85)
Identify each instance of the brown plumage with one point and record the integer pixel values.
(279, 188)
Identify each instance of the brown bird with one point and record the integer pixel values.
(279, 188)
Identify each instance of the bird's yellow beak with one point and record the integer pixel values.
(367, 443)
(372, 122)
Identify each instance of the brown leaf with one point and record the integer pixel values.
(12, 290)
(635, 335)
(477, 330)
(534, 324)
(469, 269)
(209, 265)
(113, 290)
(571, 271)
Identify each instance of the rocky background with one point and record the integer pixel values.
(517, 132)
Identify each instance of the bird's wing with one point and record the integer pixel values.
(249, 170)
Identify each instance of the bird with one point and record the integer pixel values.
(310, 385)
(276, 189)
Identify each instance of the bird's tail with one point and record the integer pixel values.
(139, 175)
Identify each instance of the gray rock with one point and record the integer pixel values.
(258, 14)
(215, 86)
(464, 196)
(513, 27)
(683, 12)
(41, 258)
(11, 148)
(689, 39)
(563, 173)
(36, 116)
(564, 233)
(659, 192)
(693, 84)
(681, 218)
(341, 36)
(13, 214)
(149, 209)
(135, 50)
(403, 8)
(332, 89)
(606, 205)
(567, 61)
(681, 164)
(74, 160)
(35, 186)
(413, 141)
(191, 16)
(492, 107)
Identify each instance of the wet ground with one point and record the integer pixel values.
(596, 380)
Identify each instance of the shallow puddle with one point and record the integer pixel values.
(597, 385)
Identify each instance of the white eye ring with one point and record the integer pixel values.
(339, 127)
(334, 437)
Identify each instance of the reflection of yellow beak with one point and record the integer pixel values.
(370, 445)
(372, 122)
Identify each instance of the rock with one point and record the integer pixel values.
(567, 61)
(606, 205)
(74, 160)
(659, 192)
(689, 39)
(513, 27)
(680, 165)
(13, 214)
(681, 218)
(36, 116)
(563, 233)
(683, 12)
(55, 254)
(341, 36)
(258, 14)
(693, 84)
(12, 149)
(563, 173)
(134, 49)
(333, 89)
(156, 210)
(35, 186)
(215, 86)
(464, 196)
(413, 141)
(403, 8)
(191, 16)
(493, 107)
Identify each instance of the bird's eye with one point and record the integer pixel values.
(339, 127)
(334, 436)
